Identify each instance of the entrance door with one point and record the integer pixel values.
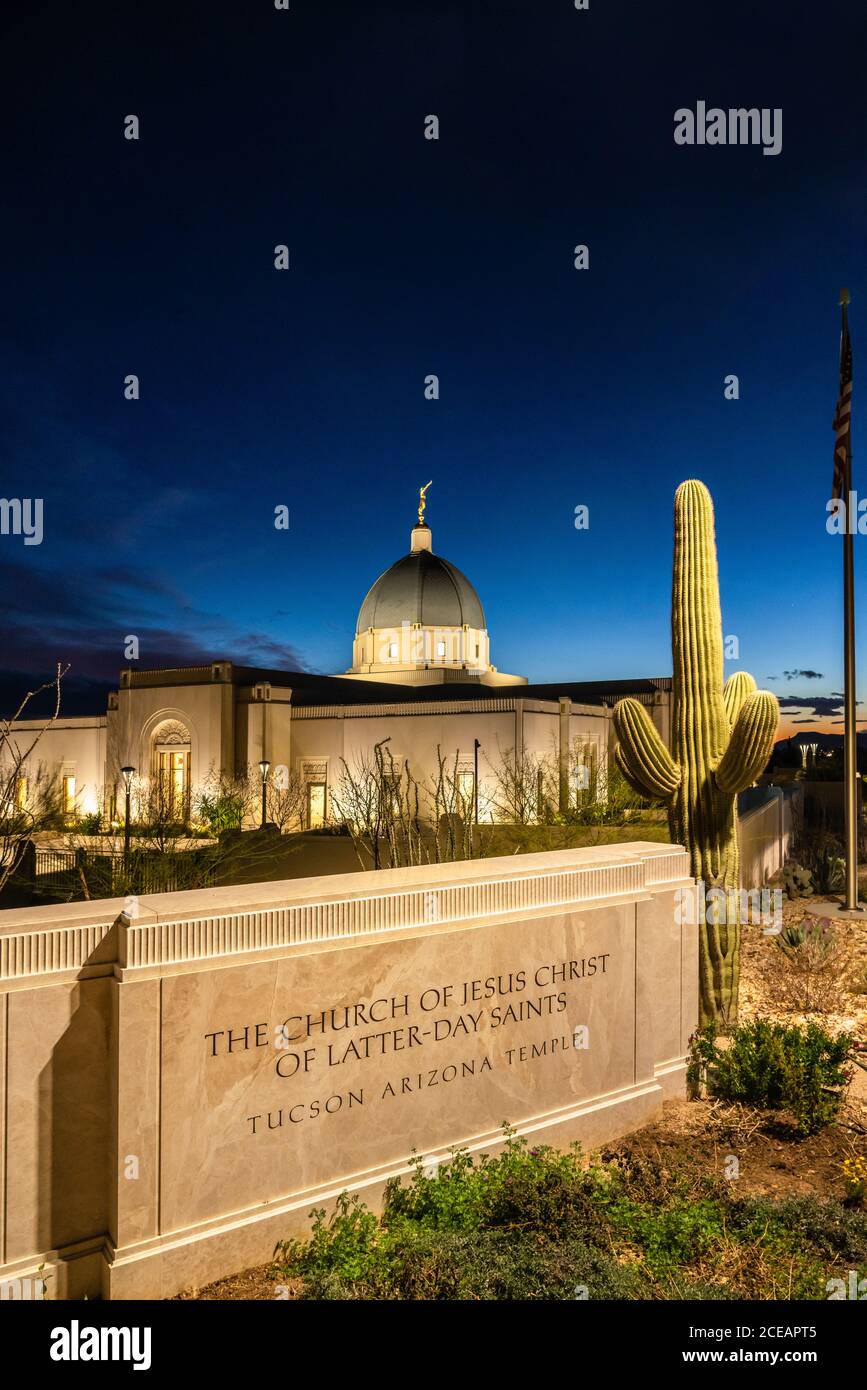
(174, 777)
(315, 805)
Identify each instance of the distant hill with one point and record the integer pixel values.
(823, 741)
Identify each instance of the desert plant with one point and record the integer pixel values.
(828, 868)
(29, 793)
(797, 881)
(801, 1070)
(809, 978)
(854, 1172)
(523, 787)
(224, 802)
(722, 738)
(532, 1223)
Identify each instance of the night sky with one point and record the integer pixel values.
(409, 257)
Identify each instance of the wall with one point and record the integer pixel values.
(72, 745)
(415, 732)
(181, 1087)
(766, 836)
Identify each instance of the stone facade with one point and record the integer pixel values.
(225, 719)
(180, 1086)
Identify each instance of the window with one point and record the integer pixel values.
(316, 804)
(392, 649)
(441, 648)
(68, 792)
(466, 791)
(171, 771)
(477, 651)
(21, 793)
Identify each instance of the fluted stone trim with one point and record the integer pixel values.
(445, 894)
(51, 950)
(161, 943)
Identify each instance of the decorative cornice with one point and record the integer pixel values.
(56, 950)
(434, 896)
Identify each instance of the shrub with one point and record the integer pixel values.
(807, 975)
(802, 1070)
(532, 1223)
(346, 1245)
(534, 1186)
(854, 1171)
(797, 881)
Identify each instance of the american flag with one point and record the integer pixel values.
(842, 419)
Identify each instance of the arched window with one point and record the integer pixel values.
(170, 768)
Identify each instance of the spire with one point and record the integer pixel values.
(420, 538)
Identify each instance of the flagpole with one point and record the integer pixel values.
(850, 744)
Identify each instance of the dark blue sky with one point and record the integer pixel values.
(411, 257)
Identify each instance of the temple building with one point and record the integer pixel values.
(421, 684)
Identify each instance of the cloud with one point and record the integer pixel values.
(796, 675)
(82, 617)
(819, 706)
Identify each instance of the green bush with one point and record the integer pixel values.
(801, 1070)
(536, 1186)
(345, 1246)
(532, 1223)
(220, 811)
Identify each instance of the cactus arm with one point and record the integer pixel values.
(643, 752)
(751, 743)
(736, 690)
(630, 774)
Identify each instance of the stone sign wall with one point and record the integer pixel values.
(182, 1086)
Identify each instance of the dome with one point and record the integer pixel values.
(421, 588)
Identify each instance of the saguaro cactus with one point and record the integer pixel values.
(721, 740)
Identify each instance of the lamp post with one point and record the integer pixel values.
(263, 768)
(127, 774)
(476, 747)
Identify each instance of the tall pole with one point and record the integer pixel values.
(263, 768)
(127, 773)
(850, 728)
(476, 746)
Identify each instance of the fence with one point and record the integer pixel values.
(766, 831)
(111, 873)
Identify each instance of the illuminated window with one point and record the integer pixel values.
(21, 793)
(466, 789)
(68, 794)
(477, 651)
(316, 805)
(441, 648)
(171, 769)
(392, 649)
